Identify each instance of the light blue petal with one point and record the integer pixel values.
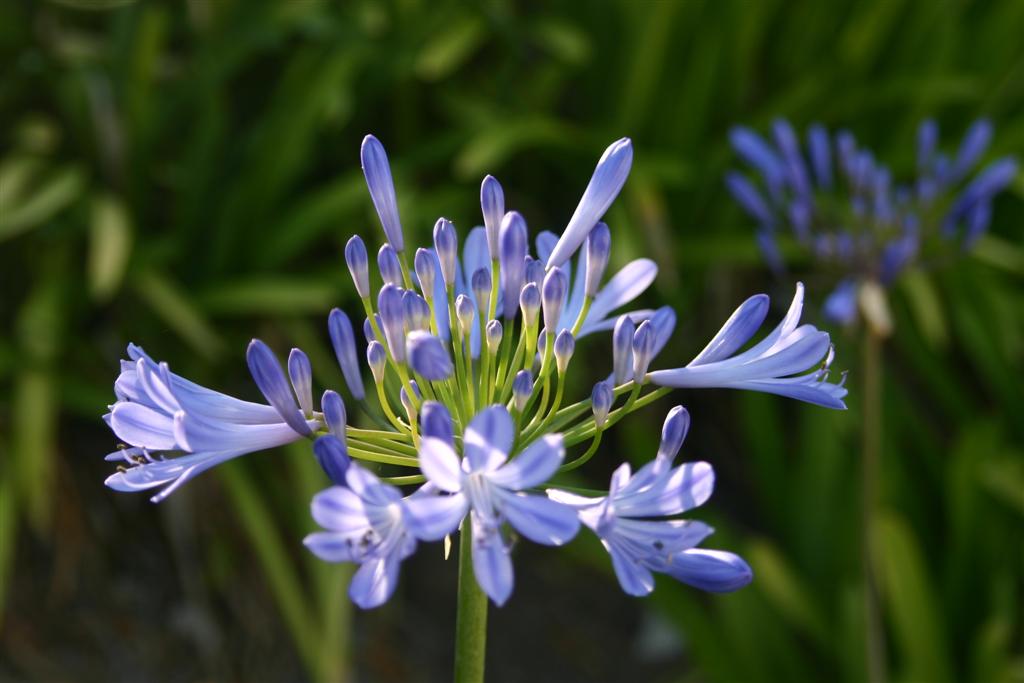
(431, 517)
(374, 582)
(339, 509)
(540, 519)
(440, 464)
(634, 578)
(330, 547)
(532, 467)
(488, 439)
(626, 285)
(137, 425)
(736, 331)
(711, 570)
(492, 563)
(683, 488)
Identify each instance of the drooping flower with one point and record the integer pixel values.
(777, 364)
(632, 521)
(176, 429)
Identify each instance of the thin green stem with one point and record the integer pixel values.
(582, 460)
(874, 636)
(471, 616)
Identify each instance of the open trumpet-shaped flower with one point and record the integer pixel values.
(485, 482)
(176, 429)
(772, 365)
(632, 523)
(364, 523)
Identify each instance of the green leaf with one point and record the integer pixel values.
(171, 304)
(269, 295)
(110, 244)
(449, 49)
(926, 308)
(54, 194)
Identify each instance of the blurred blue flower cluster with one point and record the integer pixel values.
(840, 203)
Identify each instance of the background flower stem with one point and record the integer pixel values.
(471, 616)
(871, 444)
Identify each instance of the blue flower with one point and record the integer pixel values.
(631, 521)
(490, 486)
(772, 365)
(176, 429)
(364, 522)
(850, 215)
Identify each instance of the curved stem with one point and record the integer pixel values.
(471, 616)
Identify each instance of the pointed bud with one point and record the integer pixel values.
(673, 433)
(608, 179)
(622, 349)
(494, 332)
(446, 245)
(599, 246)
(529, 303)
(376, 358)
(387, 263)
(565, 344)
(644, 341)
(417, 312)
(269, 377)
(601, 399)
(382, 189)
(424, 265)
(428, 356)
(464, 311)
(334, 413)
(492, 202)
(513, 259)
(553, 297)
(368, 328)
(481, 286)
(358, 265)
(331, 453)
(535, 271)
(301, 374)
(403, 396)
(343, 339)
(392, 319)
(522, 388)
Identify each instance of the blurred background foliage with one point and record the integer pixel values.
(185, 174)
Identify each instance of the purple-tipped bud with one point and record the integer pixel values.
(270, 378)
(334, 413)
(343, 339)
(522, 388)
(608, 179)
(387, 263)
(529, 303)
(376, 358)
(403, 396)
(464, 311)
(417, 312)
(480, 283)
(382, 189)
(820, 148)
(601, 399)
(300, 371)
(493, 333)
(673, 433)
(622, 349)
(534, 271)
(392, 320)
(424, 264)
(331, 453)
(492, 201)
(436, 422)
(446, 245)
(358, 265)
(513, 258)
(644, 341)
(599, 246)
(747, 196)
(428, 356)
(368, 329)
(565, 344)
(553, 297)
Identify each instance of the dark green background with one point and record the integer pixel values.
(185, 174)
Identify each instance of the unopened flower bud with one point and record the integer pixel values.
(376, 358)
(480, 282)
(599, 245)
(565, 344)
(464, 311)
(446, 245)
(494, 332)
(387, 263)
(644, 341)
(529, 302)
(426, 271)
(522, 388)
(601, 399)
(622, 349)
(358, 265)
(553, 297)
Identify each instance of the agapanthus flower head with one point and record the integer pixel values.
(843, 206)
(470, 394)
